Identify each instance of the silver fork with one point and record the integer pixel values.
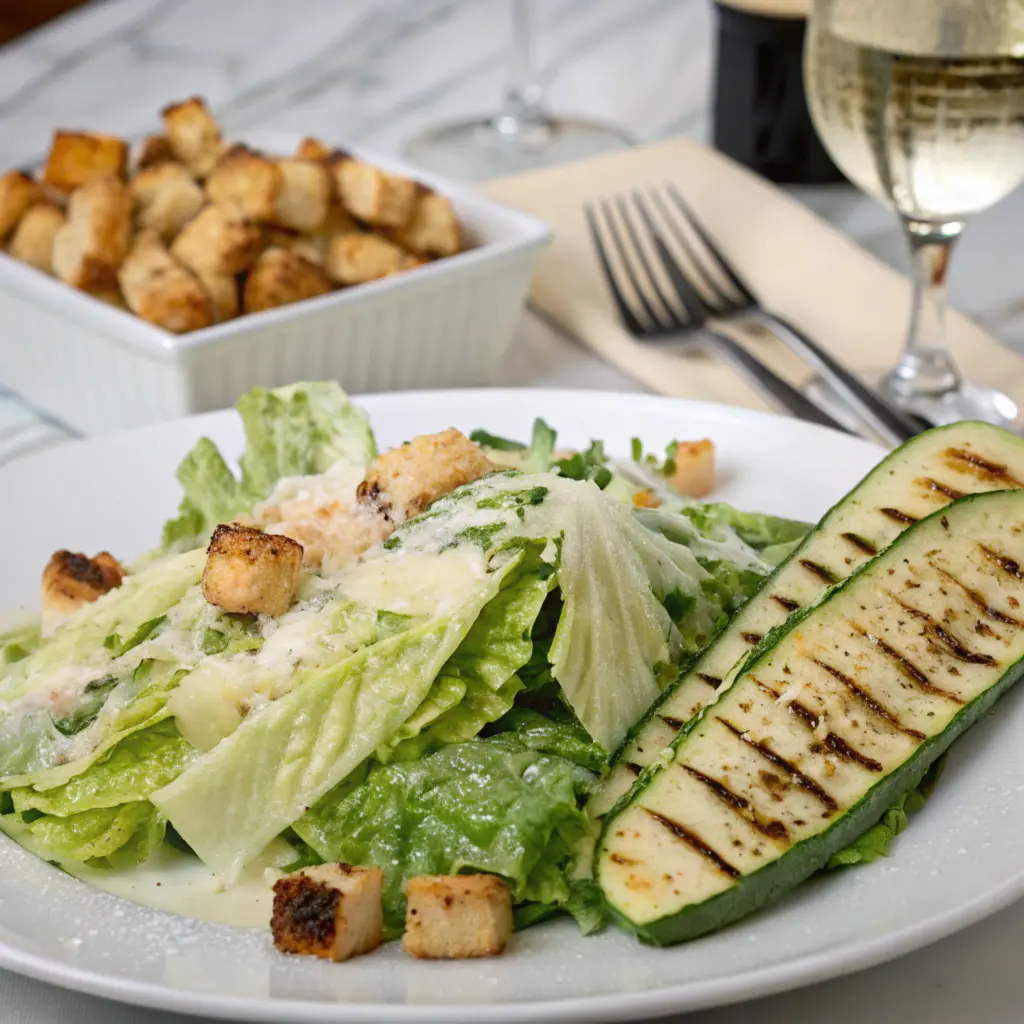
(660, 319)
(738, 302)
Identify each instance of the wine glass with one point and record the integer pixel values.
(522, 135)
(921, 103)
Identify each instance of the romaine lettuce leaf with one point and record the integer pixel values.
(104, 837)
(490, 805)
(566, 739)
(236, 798)
(300, 430)
(139, 765)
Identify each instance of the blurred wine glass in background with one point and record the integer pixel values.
(523, 135)
(921, 104)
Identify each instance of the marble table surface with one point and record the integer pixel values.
(373, 72)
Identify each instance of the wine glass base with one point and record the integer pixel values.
(491, 148)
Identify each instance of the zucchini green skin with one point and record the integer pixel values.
(687, 695)
(757, 888)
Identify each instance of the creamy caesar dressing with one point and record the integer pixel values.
(417, 583)
(181, 884)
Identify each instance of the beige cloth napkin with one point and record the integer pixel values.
(801, 267)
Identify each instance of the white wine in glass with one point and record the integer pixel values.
(921, 103)
(523, 135)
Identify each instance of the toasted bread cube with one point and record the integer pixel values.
(694, 475)
(159, 289)
(310, 247)
(218, 240)
(155, 149)
(248, 179)
(224, 295)
(251, 572)
(32, 241)
(434, 230)
(304, 197)
(280, 277)
(17, 193)
(193, 135)
(333, 911)
(166, 198)
(90, 246)
(76, 158)
(404, 481)
(71, 580)
(311, 148)
(373, 195)
(452, 917)
(360, 257)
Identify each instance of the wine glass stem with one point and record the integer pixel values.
(926, 368)
(521, 106)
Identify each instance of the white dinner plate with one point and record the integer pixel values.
(960, 860)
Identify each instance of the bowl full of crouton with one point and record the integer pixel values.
(140, 282)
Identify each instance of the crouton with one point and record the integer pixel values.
(90, 246)
(310, 247)
(433, 230)
(223, 292)
(76, 158)
(360, 257)
(403, 482)
(251, 572)
(373, 195)
(218, 240)
(694, 475)
(159, 289)
(333, 911)
(155, 149)
(193, 135)
(311, 148)
(304, 196)
(166, 198)
(32, 241)
(71, 580)
(17, 193)
(248, 179)
(452, 917)
(280, 277)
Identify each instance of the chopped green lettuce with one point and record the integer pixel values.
(493, 805)
(113, 837)
(241, 794)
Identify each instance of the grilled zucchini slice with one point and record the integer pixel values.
(827, 721)
(922, 476)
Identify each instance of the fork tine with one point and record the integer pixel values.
(624, 308)
(690, 297)
(613, 229)
(728, 271)
(675, 319)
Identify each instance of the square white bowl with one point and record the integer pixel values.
(447, 324)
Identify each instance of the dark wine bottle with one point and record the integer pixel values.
(760, 107)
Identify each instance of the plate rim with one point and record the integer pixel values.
(760, 982)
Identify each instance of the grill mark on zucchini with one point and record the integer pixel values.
(938, 487)
(772, 828)
(785, 603)
(820, 571)
(966, 461)
(905, 665)
(805, 782)
(874, 706)
(833, 743)
(618, 858)
(695, 843)
(898, 516)
(752, 638)
(978, 600)
(634, 767)
(712, 681)
(952, 644)
(1004, 562)
(861, 544)
(672, 723)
